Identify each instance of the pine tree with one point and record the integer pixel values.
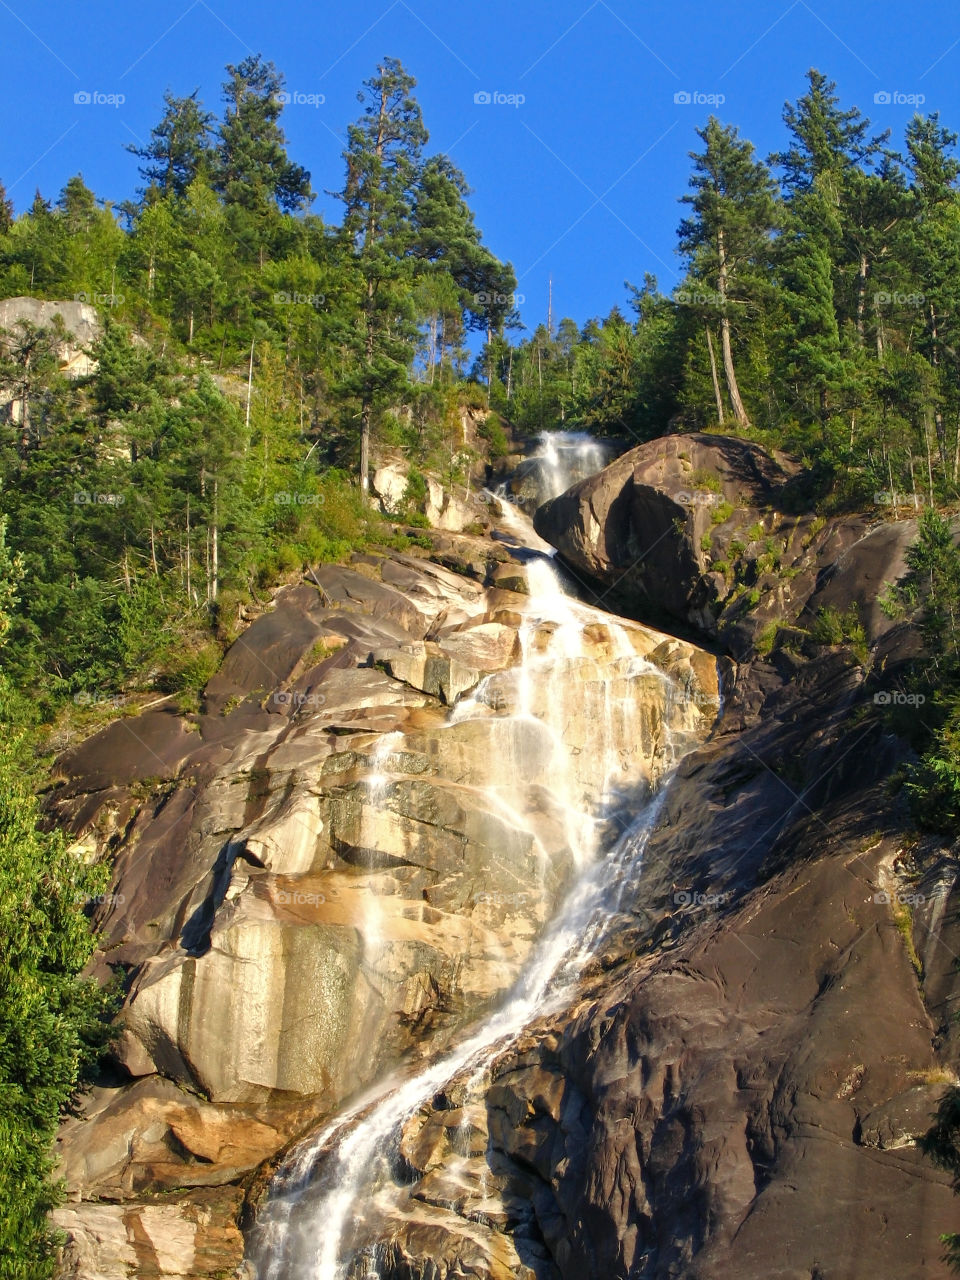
(6, 211)
(727, 237)
(179, 147)
(827, 142)
(383, 159)
(251, 169)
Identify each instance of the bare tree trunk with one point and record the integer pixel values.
(739, 412)
(189, 593)
(861, 296)
(926, 441)
(893, 492)
(214, 547)
(249, 394)
(938, 412)
(715, 378)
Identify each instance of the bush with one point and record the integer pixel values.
(491, 430)
(833, 627)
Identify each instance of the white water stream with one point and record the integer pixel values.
(315, 1224)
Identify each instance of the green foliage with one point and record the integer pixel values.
(941, 1143)
(491, 430)
(50, 1020)
(835, 626)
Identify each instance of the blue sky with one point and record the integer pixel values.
(578, 181)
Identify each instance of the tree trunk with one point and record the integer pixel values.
(862, 296)
(715, 378)
(739, 412)
(214, 547)
(938, 412)
(926, 441)
(249, 396)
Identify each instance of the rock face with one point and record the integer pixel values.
(79, 318)
(699, 529)
(441, 507)
(328, 871)
(342, 863)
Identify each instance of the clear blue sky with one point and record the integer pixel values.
(580, 181)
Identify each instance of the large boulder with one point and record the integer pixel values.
(702, 530)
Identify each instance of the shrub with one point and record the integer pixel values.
(701, 478)
(833, 627)
(491, 430)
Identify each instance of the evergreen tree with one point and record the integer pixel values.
(383, 160)
(179, 147)
(6, 211)
(727, 237)
(251, 169)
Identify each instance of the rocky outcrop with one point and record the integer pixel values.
(702, 530)
(80, 321)
(325, 872)
(442, 508)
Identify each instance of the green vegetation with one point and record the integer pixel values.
(51, 1023)
(941, 1143)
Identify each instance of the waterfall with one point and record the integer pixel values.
(561, 459)
(318, 1220)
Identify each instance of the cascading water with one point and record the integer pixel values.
(319, 1220)
(561, 459)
